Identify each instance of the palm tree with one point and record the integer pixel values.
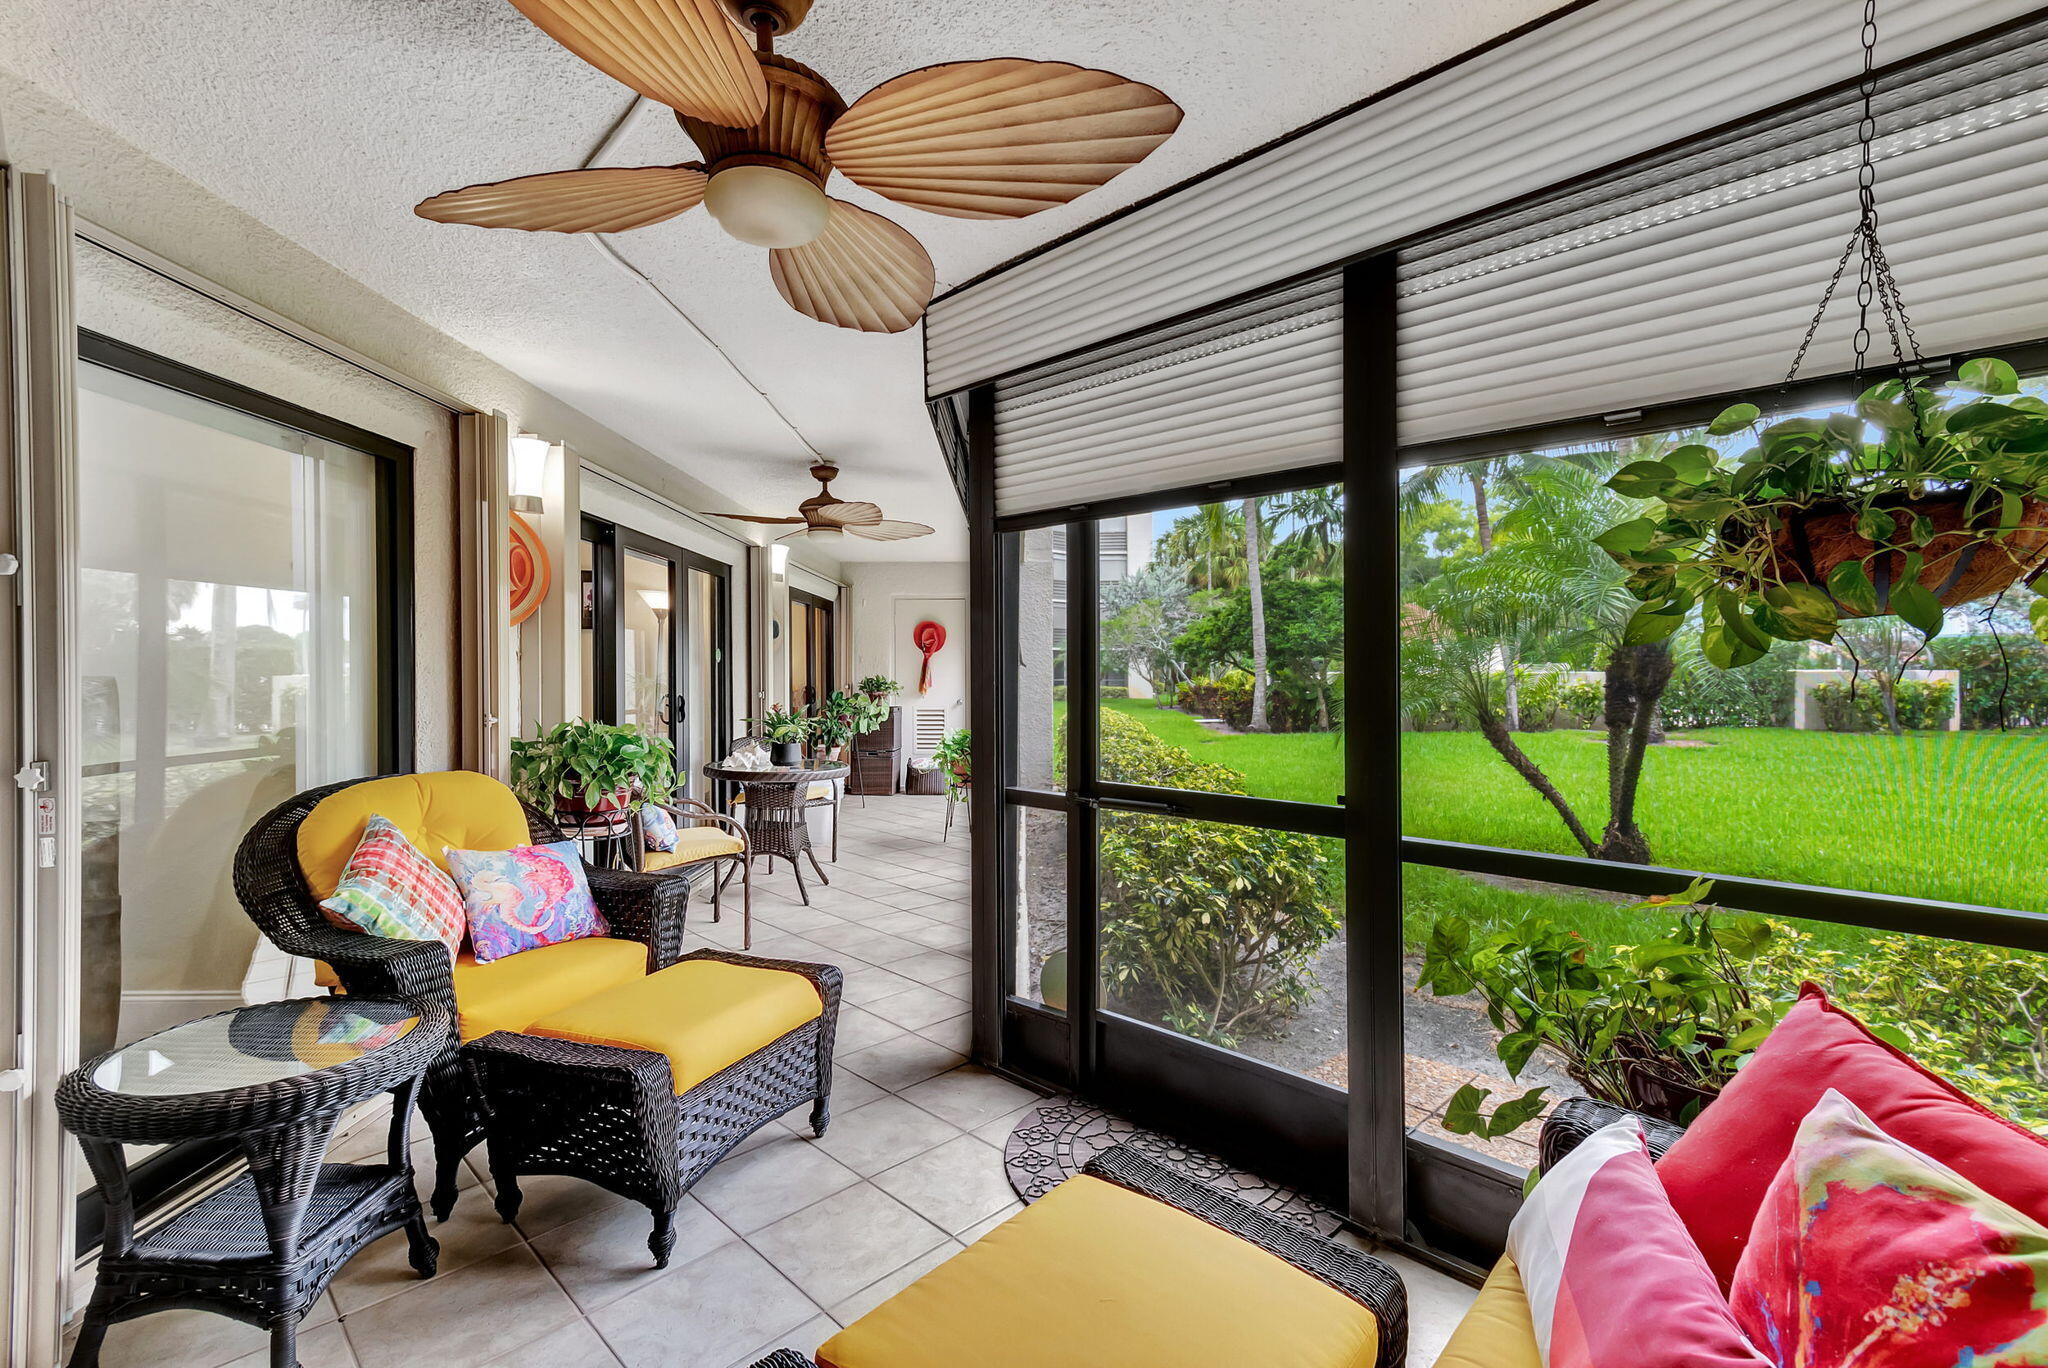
(1313, 547)
(1255, 583)
(1210, 540)
(1429, 485)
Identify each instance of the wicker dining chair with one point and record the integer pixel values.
(648, 908)
(721, 860)
(835, 792)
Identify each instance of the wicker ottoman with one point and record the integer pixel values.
(1130, 1265)
(644, 1087)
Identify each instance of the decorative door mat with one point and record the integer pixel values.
(1052, 1142)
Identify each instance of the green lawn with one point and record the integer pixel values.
(1954, 816)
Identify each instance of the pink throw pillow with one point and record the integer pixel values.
(1867, 1253)
(1612, 1278)
(389, 888)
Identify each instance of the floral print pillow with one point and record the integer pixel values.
(657, 827)
(1869, 1254)
(524, 898)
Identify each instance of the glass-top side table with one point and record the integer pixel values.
(275, 1078)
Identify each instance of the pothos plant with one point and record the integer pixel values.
(781, 725)
(1657, 1027)
(835, 721)
(1920, 499)
(589, 763)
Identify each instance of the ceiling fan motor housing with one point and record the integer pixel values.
(791, 134)
(779, 16)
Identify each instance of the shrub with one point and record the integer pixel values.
(1584, 701)
(1059, 692)
(1207, 928)
(2014, 667)
(1923, 705)
(1287, 709)
(1975, 1014)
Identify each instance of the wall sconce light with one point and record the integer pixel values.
(778, 560)
(529, 472)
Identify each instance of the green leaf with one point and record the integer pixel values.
(1514, 1050)
(1461, 1113)
(1733, 419)
(1916, 604)
(1850, 583)
(1805, 608)
(1509, 1116)
(1693, 463)
(1891, 415)
(1649, 625)
(1876, 525)
(1983, 414)
(1727, 651)
(1626, 538)
(1642, 479)
(1988, 375)
(2037, 613)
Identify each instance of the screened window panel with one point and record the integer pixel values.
(1592, 87)
(1248, 391)
(1700, 276)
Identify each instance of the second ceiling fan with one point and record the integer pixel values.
(1002, 138)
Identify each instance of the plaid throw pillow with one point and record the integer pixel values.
(657, 827)
(390, 889)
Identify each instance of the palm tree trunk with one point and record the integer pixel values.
(1636, 679)
(1482, 521)
(1255, 581)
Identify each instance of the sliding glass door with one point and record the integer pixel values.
(242, 637)
(657, 626)
(810, 649)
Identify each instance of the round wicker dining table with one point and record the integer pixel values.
(775, 811)
(273, 1079)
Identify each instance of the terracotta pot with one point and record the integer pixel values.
(1813, 543)
(786, 754)
(574, 806)
(960, 769)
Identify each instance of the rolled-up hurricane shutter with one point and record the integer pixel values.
(1595, 85)
(1245, 391)
(1698, 275)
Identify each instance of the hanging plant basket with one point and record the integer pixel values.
(1961, 567)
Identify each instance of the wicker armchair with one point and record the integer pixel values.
(689, 814)
(1578, 1117)
(648, 908)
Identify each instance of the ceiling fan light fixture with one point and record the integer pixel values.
(767, 206)
(826, 532)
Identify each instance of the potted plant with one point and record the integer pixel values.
(1657, 1027)
(878, 688)
(833, 726)
(1919, 500)
(954, 755)
(785, 731)
(577, 768)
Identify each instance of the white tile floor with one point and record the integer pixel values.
(784, 1241)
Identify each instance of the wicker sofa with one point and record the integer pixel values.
(1129, 1262)
(293, 857)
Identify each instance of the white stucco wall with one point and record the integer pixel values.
(874, 590)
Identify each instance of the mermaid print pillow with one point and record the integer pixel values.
(524, 898)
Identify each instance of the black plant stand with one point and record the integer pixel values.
(275, 1078)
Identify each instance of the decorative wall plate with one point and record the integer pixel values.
(530, 574)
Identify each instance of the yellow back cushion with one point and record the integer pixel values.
(453, 808)
(1498, 1330)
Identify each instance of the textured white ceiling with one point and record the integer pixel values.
(328, 119)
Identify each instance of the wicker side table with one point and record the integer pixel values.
(275, 1078)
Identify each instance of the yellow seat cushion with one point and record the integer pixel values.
(1497, 1331)
(702, 1014)
(693, 844)
(453, 808)
(818, 792)
(1094, 1275)
(512, 993)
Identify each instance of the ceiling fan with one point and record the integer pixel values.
(825, 518)
(1001, 138)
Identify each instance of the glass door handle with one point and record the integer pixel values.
(1133, 805)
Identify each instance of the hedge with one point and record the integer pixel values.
(1923, 705)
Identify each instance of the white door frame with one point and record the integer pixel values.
(39, 987)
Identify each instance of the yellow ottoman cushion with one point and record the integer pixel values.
(1096, 1276)
(452, 808)
(702, 1014)
(512, 993)
(1497, 1331)
(693, 844)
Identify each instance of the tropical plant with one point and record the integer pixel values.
(781, 725)
(834, 723)
(1208, 928)
(1142, 618)
(879, 684)
(588, 762)
(954, 752)
(1545, 587)
(1817, 523)
(1657, 1027)
(1304, 642)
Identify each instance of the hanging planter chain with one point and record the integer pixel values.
(1875, 283)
